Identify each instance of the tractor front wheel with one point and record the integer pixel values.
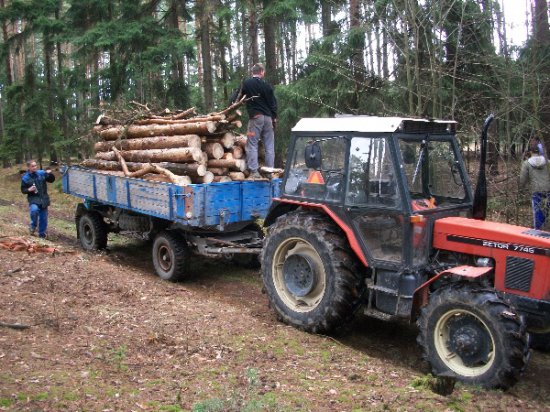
(311, 276)
(472, 334)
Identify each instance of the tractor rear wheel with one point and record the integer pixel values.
(472, 334)
(170, 256)
(312, 279)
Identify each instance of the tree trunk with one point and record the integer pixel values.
(203, 10)
(181, 155)
(145, 143)
(270, 26)
(131, 132)
(254, 50)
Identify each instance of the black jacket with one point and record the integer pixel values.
(265, 103)
(39, 178)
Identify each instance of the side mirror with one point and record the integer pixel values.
(312, 155)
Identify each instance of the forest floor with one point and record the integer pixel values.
(106, 334)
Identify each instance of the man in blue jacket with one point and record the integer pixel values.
(33, 184)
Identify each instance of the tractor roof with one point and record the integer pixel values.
(366, 124)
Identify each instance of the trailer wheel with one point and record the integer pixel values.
(473, 335)
(92, 231)
(311, 277)
(170, 256)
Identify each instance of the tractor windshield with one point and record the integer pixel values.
(432, 170)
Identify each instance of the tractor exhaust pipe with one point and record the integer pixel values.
(479, 210)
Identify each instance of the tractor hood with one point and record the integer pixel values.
(484, 238)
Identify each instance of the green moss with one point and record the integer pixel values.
(5, 402)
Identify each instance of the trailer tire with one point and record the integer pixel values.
(471, 334)
(92, 231)
(170, 256)
(312, 279)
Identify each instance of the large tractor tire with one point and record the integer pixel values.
(170, 256)
(92, 231)
(471, 334)
(311, 276)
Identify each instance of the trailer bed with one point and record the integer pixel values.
(195, 205)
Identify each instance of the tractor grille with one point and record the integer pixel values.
(519, 273)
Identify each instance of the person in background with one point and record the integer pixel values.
(534, 172)
(262, 113)
(33, 184)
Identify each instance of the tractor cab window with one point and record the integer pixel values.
(317, 168)
(432, 171)
(371, 178)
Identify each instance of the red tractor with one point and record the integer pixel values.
(379, 212)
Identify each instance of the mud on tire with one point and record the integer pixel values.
(472, 334)
(312, 278)
(170, 256)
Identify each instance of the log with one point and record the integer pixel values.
(182, 155)
(145, 143)
(237, 176)
(207, 178)
(265, 169)
(238, 165)
(241, 140)
(227, 140)
(221, 179)
(107, 121)
(214, 150)
(150, 168)
(234, 105)
(151, 121)
(136, 131)
(204, 158)
(220, 171)
(237, 152)
(227, 156)
(185, 180)
(192, 169)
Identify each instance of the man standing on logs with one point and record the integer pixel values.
(262, 111)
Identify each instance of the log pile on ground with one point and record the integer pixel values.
(179, 147)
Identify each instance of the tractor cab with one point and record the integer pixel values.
(386, 179)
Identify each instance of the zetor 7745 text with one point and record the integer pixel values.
(373, 213)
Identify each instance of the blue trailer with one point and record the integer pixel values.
(208, 219)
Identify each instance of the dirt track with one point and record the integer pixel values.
(106, 334)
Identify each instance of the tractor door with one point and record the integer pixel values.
(374, 201)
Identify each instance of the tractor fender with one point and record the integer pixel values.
(280, 207)
(421, 294)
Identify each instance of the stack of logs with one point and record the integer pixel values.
(180, 148)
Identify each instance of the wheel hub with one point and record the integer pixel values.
(469, 339)
(299, 275)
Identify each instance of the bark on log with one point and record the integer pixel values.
(227, 140)
(234, 105)
(207, 178)
(238, 165)
(182, 155)
(192, 169)
(150, 168)
(107, 121)
(214, 150)
(220, 171)
(237, 176)
(153, 121)
(227, 156)
(220, 179)
(136, 131)
(145, 143)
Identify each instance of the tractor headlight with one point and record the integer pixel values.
(484, 262)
